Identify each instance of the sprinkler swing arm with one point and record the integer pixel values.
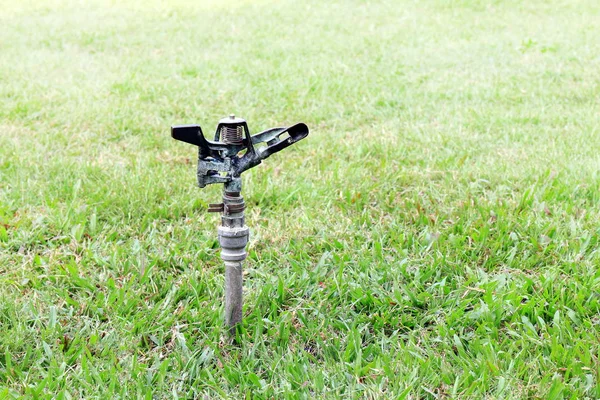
(223, 161)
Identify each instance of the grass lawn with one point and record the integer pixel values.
(436, 236)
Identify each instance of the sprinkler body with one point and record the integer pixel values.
(223, 160)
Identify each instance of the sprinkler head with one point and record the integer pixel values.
(233, 150)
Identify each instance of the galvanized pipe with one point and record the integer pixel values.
(233, 238)
(233, 295)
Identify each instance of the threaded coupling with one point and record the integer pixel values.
(233, 242)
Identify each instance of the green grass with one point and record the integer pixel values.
(436, 235)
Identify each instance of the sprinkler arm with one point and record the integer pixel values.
(215, 157)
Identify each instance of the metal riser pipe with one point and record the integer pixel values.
(233, 238)
(233, 295)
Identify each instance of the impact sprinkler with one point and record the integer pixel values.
(223, 160)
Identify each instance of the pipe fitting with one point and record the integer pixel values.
(233, 242)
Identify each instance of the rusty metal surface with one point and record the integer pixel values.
(216, 207)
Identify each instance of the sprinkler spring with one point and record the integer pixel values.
(223, 160)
